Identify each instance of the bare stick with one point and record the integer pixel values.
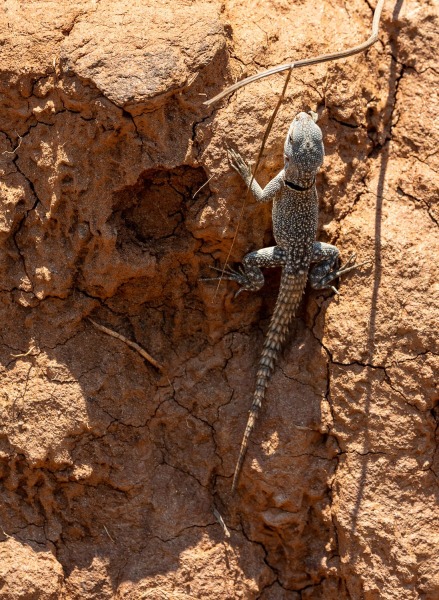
(308, 61)
(258, 160)
(15, 149)
(109, 534)
(30, 351)
(200, 188)
(128, 342)
(220, 520)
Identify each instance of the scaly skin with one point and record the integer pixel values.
(302, 258)
(290, 294)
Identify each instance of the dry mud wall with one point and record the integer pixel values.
(116, 197)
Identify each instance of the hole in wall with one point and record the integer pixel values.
(159, 204)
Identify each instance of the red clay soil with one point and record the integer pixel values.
(116, 198)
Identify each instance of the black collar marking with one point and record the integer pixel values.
(299, 188)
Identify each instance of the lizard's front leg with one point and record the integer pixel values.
(326, 266)
(261, 195)
(249, 276)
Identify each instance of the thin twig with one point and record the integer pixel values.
(109, 535)
(220, 520)
(258, 160)
(200, 188)
(30, 351)
(15, 149)
(128, 342)
(308, 61)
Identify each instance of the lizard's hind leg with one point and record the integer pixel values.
(326, 267)
(249, 276)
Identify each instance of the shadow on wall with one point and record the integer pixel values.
(383, 150)
(102, 462)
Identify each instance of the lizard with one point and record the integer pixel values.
(300, 256)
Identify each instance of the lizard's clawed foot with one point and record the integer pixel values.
(238, 163)
(229, 274)
(226, 273)
(350, 265)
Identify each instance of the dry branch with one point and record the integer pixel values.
(128, 342)
(308, 61)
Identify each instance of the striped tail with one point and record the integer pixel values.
(290, 293)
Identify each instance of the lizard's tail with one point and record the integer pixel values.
(290, 293)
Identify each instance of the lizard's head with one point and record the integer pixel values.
(303, 149)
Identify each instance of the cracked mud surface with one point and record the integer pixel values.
(116, 197)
